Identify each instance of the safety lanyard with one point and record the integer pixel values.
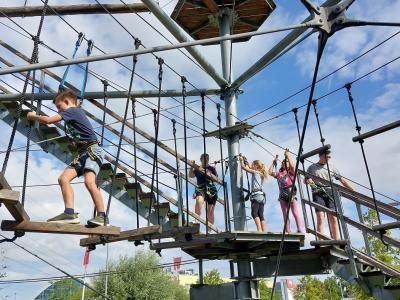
(77, 44)
(88, 53)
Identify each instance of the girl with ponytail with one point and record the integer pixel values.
(259, 175)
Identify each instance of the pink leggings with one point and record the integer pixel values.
(295, 213)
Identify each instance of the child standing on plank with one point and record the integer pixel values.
(87, 162)
(285, 178)
(259, 175)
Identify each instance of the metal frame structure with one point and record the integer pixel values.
(326, 20)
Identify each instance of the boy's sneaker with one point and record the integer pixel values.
(97, 221)
(65, 219)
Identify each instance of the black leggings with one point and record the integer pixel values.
(257, 210)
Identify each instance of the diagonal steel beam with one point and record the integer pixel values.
(113, 94)
(270, 56)
(107, 56)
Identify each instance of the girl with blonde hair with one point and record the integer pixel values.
(259, 175)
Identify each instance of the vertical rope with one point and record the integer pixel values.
(226, 202)
(105, 85)
(133, 101)
(361, 142)
(295, 111)
(322, 39)
(203, 110)
(322, 139)
(178, 173)
(122, 133)
(35, 51)
(183, 81)
(157, 123)
(28, 144)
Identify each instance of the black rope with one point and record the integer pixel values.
(226, 202)
(183, 81)
(120, 137)
(28, 144)
(105, 85)
(36, 41)
(361, 142)
(295, 111)
(322, 139)
(178, 173)
(156, 125)
(133, 101)
(321, 45)
(204, 165)
(17, 234)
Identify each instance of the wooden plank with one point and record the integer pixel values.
(185, 244)
(211, 5)
(131, 235)
(45, 227)
(79, 9)
(9, 196)
(3, 182)
(11, 201)
(329, 243)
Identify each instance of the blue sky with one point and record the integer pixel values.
(376, 102)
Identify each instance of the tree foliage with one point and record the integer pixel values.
(311, 288)
(213, 278)
(265, 292)
(65, 289)
(138, 277)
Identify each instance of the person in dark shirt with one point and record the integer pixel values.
(87, 162)
(206, 188)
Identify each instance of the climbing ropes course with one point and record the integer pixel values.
(147, 137)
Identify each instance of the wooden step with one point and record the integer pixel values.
(63, 143)
(320, 243)
(134, 189)
(147, 199)
(120, 180)
(45, 227)
(105, 171)
(47, 132)
(141, 234)
(11, 107)
(124, 235)
(11, 201)
(374, 277)
(162, 208)
(173, 218)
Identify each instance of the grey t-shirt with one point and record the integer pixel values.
(322, 171)
(256, 182)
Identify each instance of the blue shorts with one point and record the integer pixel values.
(85, 163)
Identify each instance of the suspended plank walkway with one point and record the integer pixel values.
(234, 245)
(22, 222)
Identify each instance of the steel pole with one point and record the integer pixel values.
(238, 207)
(114, 94)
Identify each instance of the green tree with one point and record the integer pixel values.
(265, 292)
(213, 278)
(65, 289)
(139, 277)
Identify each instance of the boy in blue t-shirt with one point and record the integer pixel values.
(88, 161)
